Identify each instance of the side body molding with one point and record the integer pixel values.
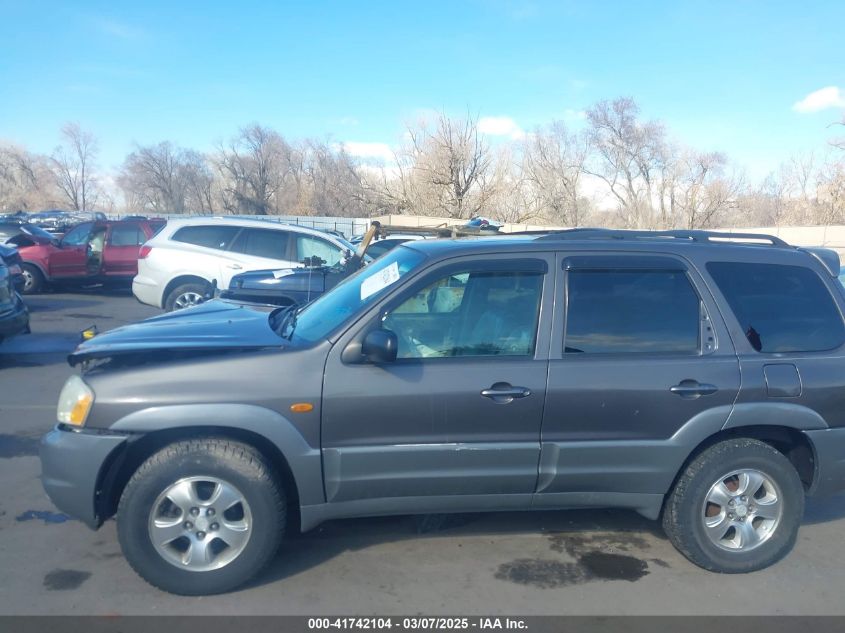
(304, 460)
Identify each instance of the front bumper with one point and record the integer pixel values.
(72, 463)
(14, 320)
(829, 448)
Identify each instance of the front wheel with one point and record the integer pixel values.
(201, 517)
(736, 508)
(33, 280)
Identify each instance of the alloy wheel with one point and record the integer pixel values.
(200, 523)
(742, 510)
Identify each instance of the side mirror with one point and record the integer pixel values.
(380, 346)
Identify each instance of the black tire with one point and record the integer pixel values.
(33, 279)
(192, 288)
(235, 463)
(683, 513)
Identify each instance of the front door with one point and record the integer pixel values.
(459, 411)
(71, 259)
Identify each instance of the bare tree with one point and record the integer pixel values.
(553, 164)
(628, 157)
(831, 193)
(443, 168)
(697, 189)
(164, 178)
(73, 165)
(337, 187)
(254, 167)
(199, 182)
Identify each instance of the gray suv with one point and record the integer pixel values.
(696, 378)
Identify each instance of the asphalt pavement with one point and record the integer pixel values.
(573, 562)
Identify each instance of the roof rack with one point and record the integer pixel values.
(687, 235)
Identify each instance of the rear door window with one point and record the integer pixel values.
(631, 311)
(780, 308)
(127, 235)
(309, 248)
(209, 236)
(265, 243)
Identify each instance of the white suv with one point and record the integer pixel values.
(177, 266)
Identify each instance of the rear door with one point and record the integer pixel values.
(120, 257)
(258, 248)
(639, 351)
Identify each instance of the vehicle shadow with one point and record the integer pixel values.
(623, 529)
(53, 303)
(300, 552)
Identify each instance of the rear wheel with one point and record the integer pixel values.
(736, 508)
(201, 517)
(33, 280)
(185, 296)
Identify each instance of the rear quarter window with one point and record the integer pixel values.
(780, 308)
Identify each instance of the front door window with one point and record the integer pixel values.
(467, 313)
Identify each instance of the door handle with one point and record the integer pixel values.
(234, 266)
(503, 393)
(693, 389)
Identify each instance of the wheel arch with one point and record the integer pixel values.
(179, 280)
(780, 424)
(38, 265)
(298, 465)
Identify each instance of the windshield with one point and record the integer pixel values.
(318, 319)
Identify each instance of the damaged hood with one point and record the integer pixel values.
(215, 325)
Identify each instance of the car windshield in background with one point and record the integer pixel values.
(320, 318)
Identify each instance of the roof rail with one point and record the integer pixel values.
(688, 235)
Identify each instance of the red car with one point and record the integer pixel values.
(91, 252)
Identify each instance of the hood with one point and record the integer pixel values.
(212, 326)
(7, 252)
(288, 278)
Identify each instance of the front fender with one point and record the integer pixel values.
(303, 459)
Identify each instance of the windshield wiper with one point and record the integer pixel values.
(287, 321)
(279, 318)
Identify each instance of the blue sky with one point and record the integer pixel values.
(723, 75)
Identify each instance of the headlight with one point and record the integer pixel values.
(75, 402)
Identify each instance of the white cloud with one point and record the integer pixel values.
(500, 126)
(822, 99)
(381, 151)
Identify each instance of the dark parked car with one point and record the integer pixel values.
(12, 259)
(285, 287)
(91, 252)
(696, 381)
(14, 317)
(20, 234)
(58, 222)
